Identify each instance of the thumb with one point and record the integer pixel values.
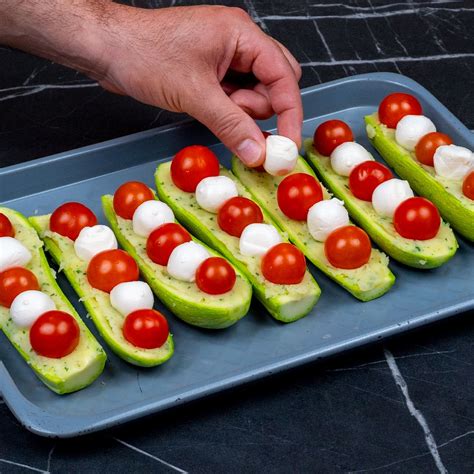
(236, 129)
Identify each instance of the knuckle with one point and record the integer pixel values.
(227, 125)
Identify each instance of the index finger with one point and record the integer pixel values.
(272, 69)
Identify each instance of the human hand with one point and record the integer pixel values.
(177, 59)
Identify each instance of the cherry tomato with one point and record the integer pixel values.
(111, 267)
(237, 213)
(54, 334)
(330, 134)
(14, 281)
(417, 218)
(215, 276)
(395, 106)
(70, 218)
(163, 240)
(261, 168)
(6, 228)
(146, 328)
(284, 264)
(365, 177)
(129, 196)
(297, 193)
(191, 165)
(468, 185)
(348, 247)
(426, 147)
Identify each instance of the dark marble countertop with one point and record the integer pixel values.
(405, 406)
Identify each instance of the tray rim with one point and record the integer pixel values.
(44, 424)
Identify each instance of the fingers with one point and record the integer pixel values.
(295, 65)
(256, 104)
(271, 67)
(232, 125)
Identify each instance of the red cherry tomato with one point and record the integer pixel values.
(129, 196)
(468, 185)
(417, 218)
(237, 213)
(297, 193)
(365, 177)
(215, 276)
(6, 228)
(330, 134)
(70, 218)
(191, 165)
(111, 267)
(15, 281)
(163, 240)
(284, 264)
(146, 328)
(261, 168)
(348, 247)
(426, 147)
(54, 334)
(395, 106)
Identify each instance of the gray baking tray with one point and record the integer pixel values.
(206, 362)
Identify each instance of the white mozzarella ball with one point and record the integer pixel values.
(346, 156)
(256, 239)
(453, 162)
(13, 253)
(28, 306)
(131, 296)
(326, 216)
(281, 155)
(185, 260)
(411, 128)
(214, 191)
(389, 195)
(93, 240)
(149, 215)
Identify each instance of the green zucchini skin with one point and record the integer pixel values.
(263, 189)
(450, 207)
(207, 311)
(106, 319)
(420, 254)
(285, 305)
(73, 372)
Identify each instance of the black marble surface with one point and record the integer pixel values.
(405, 406)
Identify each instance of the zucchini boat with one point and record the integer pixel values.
(106, 318)
(286, 303)
(365, 283)
(86, 362)
(415, 253)
(447, 194)
(184, 299)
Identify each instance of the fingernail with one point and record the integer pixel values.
(249, 151)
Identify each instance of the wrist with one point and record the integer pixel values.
(71, 33)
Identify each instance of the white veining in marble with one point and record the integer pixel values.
(402, 385)
(24, 466)
(161, 461)
(22, 91)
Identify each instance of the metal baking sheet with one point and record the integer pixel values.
(206, 362)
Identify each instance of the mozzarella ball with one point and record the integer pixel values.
(326, 216)
(281, 155)
(453, 162)
(92, 240)
(389, 195)
(28, 306)
(149, 215)
(346, 156)
(13, 253)
(130, 296)
(185, 260)
(411, 128)
(256, 239)
(214, 191)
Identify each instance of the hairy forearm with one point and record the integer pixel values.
(66, 31)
